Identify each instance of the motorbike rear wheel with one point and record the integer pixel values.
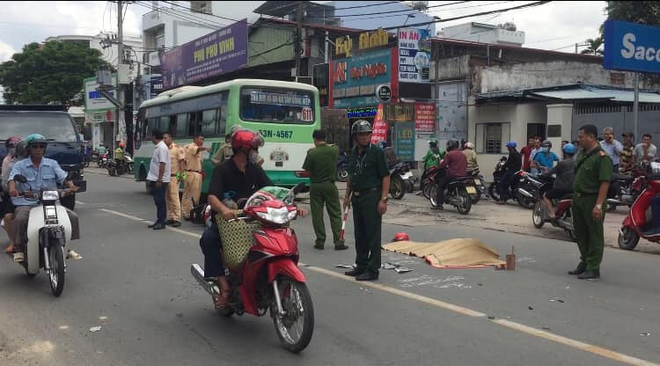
(628, 238)
(538, 215)
(342, 175)
(397, 188)
(433, 195)
(493, 192)
(465, 201)
(525, 202)
(56, 273)
(112, 172)
(426, 189)
(296, 326)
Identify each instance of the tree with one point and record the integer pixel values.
(49, 72)
(593, 46)
(642, 12)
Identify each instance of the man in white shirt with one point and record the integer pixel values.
(612, 147)
(646, 151)
(159, 177)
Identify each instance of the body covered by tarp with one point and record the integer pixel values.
(454, 253)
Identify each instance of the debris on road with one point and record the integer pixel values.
(645, 334)
(389, 265)
(95, 329)
(557, 300)
(402, 270)
(530, 308)
(346, 266)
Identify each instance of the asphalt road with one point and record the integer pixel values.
(135, 284)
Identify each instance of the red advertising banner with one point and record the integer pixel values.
(425, 117)
(380, 127)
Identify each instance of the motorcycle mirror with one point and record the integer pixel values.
(20, 179)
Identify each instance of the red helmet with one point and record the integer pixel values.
(401, 237)
(122, 145)
(246, 139)
(12, 141)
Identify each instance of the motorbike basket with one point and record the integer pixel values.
(237, 239)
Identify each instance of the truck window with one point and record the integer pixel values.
(56, 127)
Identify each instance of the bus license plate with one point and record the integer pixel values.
(471, 190)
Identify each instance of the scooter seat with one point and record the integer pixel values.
(566, 197)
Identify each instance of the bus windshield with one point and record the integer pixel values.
(277, 105)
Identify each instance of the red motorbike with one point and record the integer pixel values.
(637, 223)
(269, 278)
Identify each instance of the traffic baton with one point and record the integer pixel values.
(343, 223)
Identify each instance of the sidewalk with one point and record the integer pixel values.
(414, 210)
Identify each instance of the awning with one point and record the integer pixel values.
(625, 96)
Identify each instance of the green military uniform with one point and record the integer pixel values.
(366, 179)
(321, 162)
(591, 170)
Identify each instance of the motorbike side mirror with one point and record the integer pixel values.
(20, 179)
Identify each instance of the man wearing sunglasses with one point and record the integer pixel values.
(41, 173)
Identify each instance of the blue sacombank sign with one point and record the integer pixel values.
(631, 47)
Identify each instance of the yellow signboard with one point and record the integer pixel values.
(366, 40)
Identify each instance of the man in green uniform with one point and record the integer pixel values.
(321, 163)
(369, 185)
(593, 173)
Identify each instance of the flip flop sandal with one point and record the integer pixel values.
(73, 255)
(19, 257)
(220, 304)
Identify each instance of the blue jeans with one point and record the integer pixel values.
(211, 246)
(159, 200)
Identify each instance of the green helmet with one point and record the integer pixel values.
(360, 126)
(35, 138)
(433, 141)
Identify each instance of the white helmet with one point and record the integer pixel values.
(469, 145)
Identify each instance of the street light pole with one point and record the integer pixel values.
(120, 60)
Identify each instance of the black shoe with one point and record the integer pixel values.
(175, 224)
(590, 274)
(367, 276)
(579, 269)
(438, 208)
(341, 247)
(319, 247)
(159, 226)
(355, 272)
(152, 225)
(169, 222)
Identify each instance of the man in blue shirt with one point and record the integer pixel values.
(41, 173)
(544, 160)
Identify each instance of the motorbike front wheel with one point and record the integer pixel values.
(526, 202)
(112, 172)
(397, 188)
(538, 215)
(628, 238)
(493, 192)
(56, 273)
(342, 175)
(296, 325)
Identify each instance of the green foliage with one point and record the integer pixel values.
(49, 72)
(642, 12)
(593, 46)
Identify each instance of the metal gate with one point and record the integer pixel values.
(620, 118)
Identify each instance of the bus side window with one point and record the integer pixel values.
(209, 122)
(195, 123)
(164, 125)
(222, 115)
(182, 125)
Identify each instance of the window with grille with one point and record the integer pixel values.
(492, 137)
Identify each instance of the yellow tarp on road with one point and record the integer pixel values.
(454, 253)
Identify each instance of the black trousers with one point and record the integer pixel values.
(211, 245)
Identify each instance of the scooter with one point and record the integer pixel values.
(638, 221)
(400, 175)
(268, 278)
(120, 167)
(628, 188)
(103, 160)
(563, 218)
(342, 167)
(48, 230)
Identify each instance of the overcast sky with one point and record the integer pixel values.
(550, 26)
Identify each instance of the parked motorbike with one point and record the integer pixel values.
(478, 182)
(342, 167)
(637, 223)
(457, 193)
(49, 228)
(269, 279)
(400, 175)
(627, 188)
(528, 188)
(493, 188)
(120, 167)
(563, 218)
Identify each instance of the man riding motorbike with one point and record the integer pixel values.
(456, 163)
(433, 156)
(119, 155)
(7, 207)
(510, 168)
(244, 176)
(41, 173)
(563, 183)
(471, 156)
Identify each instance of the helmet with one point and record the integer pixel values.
(246, 139)
(12, 141)
(21, 150)
(469, 145)
(122, 145)
(360, 126)
(452, 144)
(511, 144)
(401, 237)
(546, 143)
(35, 138)
(570, 149)
(433, 141)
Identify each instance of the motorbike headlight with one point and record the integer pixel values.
(50, 196)
(278, 216)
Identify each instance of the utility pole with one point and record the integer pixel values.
(298, 45)
(120, 60)
(636, 107)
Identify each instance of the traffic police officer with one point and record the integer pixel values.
(321, 162)
(369, 185)
(593, 173)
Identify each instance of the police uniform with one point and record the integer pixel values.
(321, 162)
(366, 178)
(176, 175)
(192, 186)
(591, 170)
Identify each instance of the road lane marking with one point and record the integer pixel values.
(80, 203)
(599, 351)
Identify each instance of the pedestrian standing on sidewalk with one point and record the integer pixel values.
(593, 173)
(367, 189)
(192, 187)
(626, 157)
(526, 153)
(159, 177)
(646, 151)
(321, 163)
(177, 174)
(612, 147)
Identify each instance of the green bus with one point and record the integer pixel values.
(285, 113)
